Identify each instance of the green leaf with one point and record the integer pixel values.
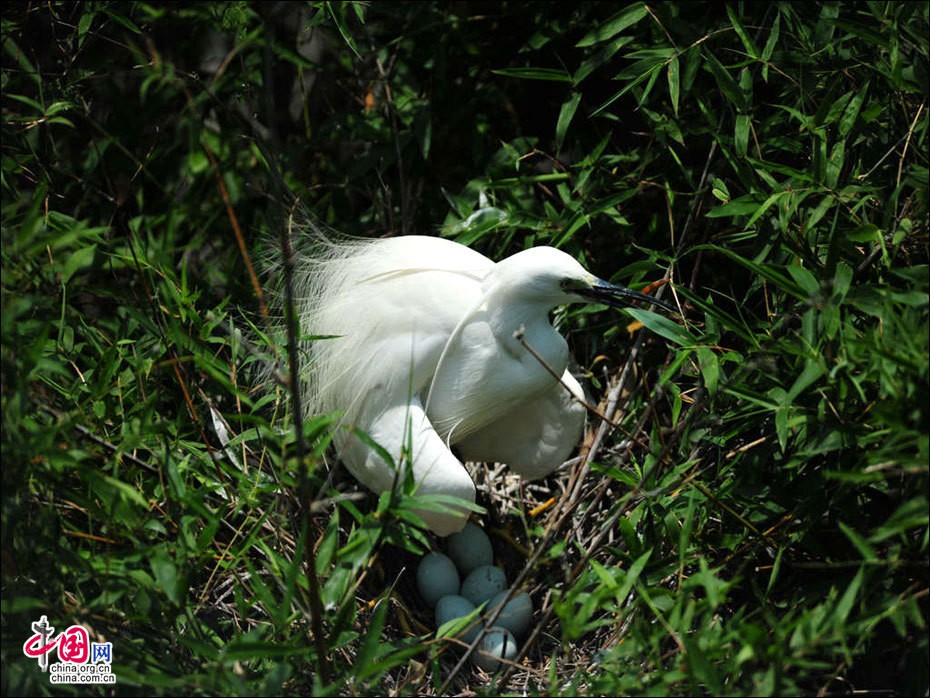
(662, 326)
(531, 73)
(842, 281)
(781, 426)
(77, 260)
(720, 191)
(326, 550)
(772, 40)
(565, 118)
(627, 17)
(337, 10)
(776, 568)
(771, 201)
(604, 575)
(835, 165)
(737, 25)
(811, 373)
(457, 626)
(725, 82)
(121, 19)
(767, 271)
(851, 113)
(28, 100)
(644, 70)
(83, 25)
(845, 604)
(166, 574)
(911, 514)
(804, 278)
(59, 107)
(372, 644)
(710, 367)
(867, 232)
(702, 669)
(742, 206)
(632, 576)
(741, 134)
(674, 85)
(862, 545)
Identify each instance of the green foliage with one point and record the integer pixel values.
(759, 523)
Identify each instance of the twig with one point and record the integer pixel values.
(570, 497)
(304, 488)
(520, 336)
(240, 240)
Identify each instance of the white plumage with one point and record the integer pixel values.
(413, 340)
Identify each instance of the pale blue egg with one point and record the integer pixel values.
(436, 577)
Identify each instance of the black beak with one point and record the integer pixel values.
(619, 296)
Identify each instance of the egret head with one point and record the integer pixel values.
(548, 276)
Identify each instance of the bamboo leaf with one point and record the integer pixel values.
(741, 135)
(531, 73)
(662, 326)
(674, 84)
(737, 25)
(566, 113)
(627, 17)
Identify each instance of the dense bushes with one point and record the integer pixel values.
(757, 523)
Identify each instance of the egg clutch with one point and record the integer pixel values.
(464, 589)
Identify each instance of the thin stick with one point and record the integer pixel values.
(305, 491)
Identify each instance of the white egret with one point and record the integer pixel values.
(426, 347)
